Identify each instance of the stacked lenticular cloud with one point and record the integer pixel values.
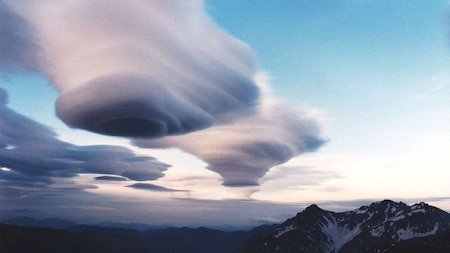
(162, 73)
(140, 68)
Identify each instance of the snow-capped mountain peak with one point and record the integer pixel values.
(383, 222)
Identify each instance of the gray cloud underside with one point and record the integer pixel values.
(110, 178)
(152, 187)
(140, 69)
(33, 154)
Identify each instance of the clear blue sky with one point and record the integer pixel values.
(370, 76)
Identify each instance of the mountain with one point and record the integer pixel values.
(382, 226)
(135, 226)
(87, 239)
(25, 221)
(438, 243)
(385, 226)
(32, 222)
(16, 239)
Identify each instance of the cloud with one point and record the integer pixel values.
(18, 48)
(3, 97)
(32, 155)
(147, 69)
(24, 211)
(110, 178)
(152, 187)
(242, 151)
(296, 174)
(138, 68)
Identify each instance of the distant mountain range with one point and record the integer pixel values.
(386, 226)
(32, 222)
(25, 234)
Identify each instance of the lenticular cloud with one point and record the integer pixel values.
(17, 50)
(160, 68)
(242, 151)
(139, 68)
(33, 153)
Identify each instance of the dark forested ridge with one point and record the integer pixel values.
(86, 239)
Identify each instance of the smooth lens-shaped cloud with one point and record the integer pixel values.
(244, 150)
(129, 105)
(139, 68)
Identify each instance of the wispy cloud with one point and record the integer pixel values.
(152, 187)
(434, 88)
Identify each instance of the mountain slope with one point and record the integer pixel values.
(361, 230)
(439, 243)
(84, 238)
(46, 240)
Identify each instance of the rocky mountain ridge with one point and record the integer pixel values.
(380, 223)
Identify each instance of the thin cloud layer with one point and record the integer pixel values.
(242, 151)
(151, 187)
(31, 154)
(110, 178)
(137, 68)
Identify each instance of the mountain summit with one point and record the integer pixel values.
(366, 229)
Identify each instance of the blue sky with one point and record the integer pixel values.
(356, 60)
(353, 106)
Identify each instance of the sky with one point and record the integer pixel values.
(221, 113)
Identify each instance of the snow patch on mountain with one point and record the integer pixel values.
(338, 235)
(362, 210)
(378, 231)
(397, 218)
(284, 230)
(408, 233)
(384, 223)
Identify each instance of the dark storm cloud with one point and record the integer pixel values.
(31, 153)
(152, 187)
(141, 68)
(18, 49)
